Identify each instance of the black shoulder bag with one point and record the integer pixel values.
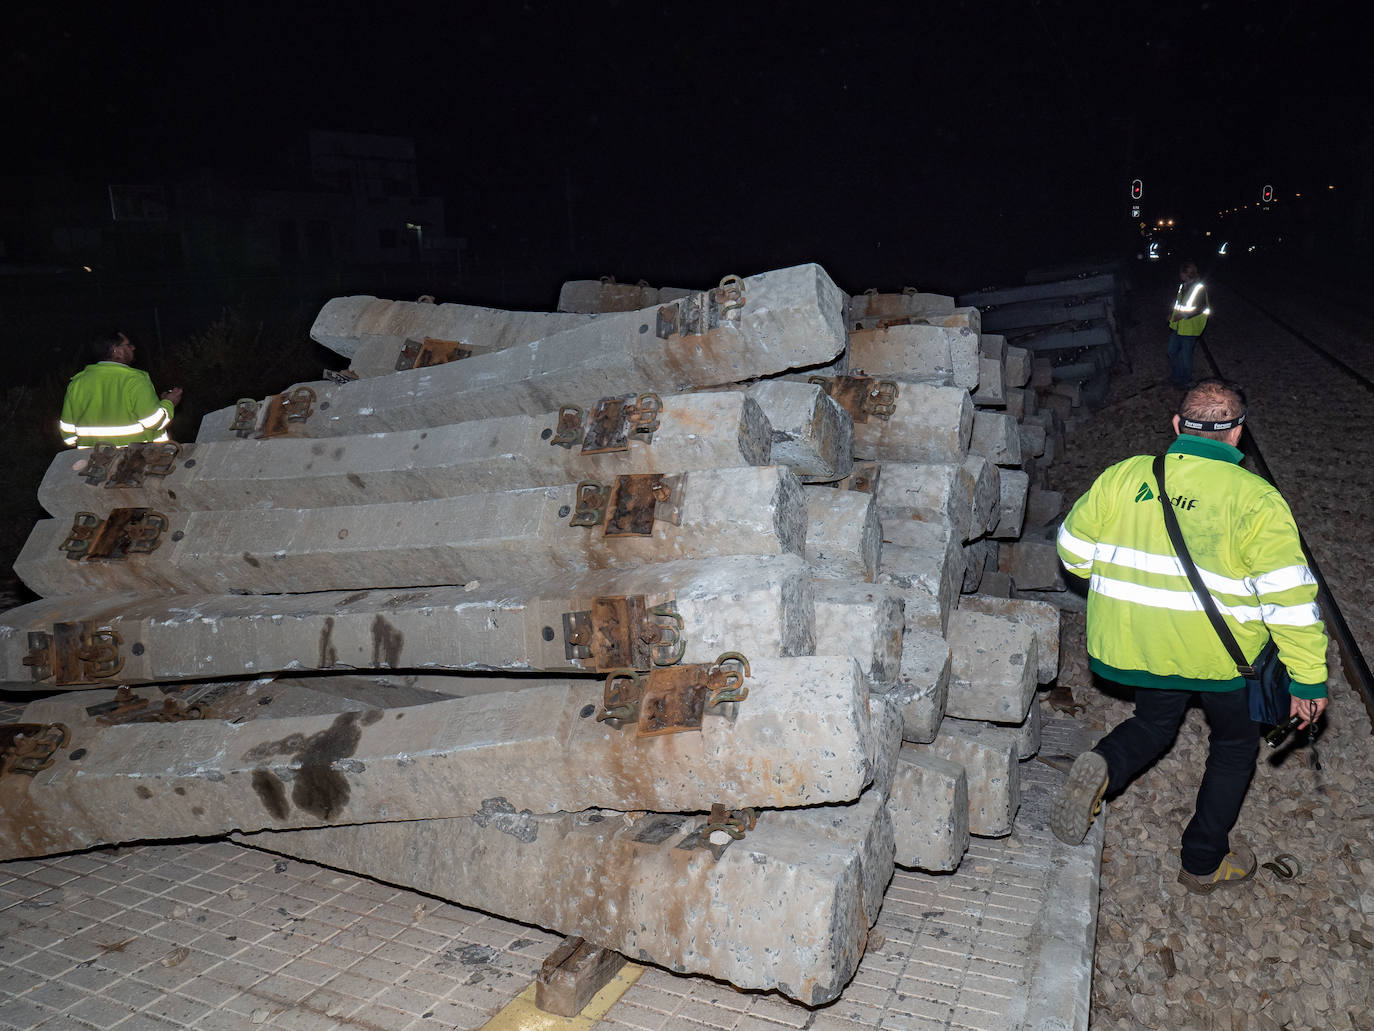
(1266, 679)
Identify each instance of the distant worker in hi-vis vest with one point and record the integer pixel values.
(1187, 321)
(110, 402)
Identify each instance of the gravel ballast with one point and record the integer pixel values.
(1275, 952)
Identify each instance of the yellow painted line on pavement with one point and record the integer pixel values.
(520, 1014)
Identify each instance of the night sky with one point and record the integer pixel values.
(943, 146)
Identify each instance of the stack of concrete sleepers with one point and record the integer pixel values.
(946, 444)
(547, 626)
(1069, 322)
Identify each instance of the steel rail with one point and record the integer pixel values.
(1354, 374)
(1356, 668)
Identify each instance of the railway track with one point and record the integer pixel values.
(1246, 964)
(1345, 315)
(1232, 360)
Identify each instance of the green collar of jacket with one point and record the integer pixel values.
(1205, 447)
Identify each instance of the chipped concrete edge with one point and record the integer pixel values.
(1059, 993)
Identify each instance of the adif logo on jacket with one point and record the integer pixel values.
(1146, 494)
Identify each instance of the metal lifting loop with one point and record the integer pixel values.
(732, 293)
(98, 463)
(99, 656)
(589, 504)
(78, 542)
(160, 458)
(669, 644)
(245, 415)
(29, 748)
(570, 430)
(882, 400)
(643, 415)
(298, 404)
(732, 689)
(734, 822)
(621, 703)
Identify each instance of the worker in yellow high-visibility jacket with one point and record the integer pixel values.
(110, 402)
(1148, 630)
(1186, 323)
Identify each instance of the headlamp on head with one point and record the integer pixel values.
(1211, 427)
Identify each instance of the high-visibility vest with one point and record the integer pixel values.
(1146, 626)
(111, 403)
(1190, 309)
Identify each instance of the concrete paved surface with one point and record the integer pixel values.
(212, 935)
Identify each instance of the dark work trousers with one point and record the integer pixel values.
(1233, 746)
(1181, 359)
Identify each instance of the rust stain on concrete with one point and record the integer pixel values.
(316, 787)
(329, 655)
(386, 643)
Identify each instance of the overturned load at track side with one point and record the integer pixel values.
(520, 534)
(656, 614)
(591, 439)
(1033, 314)
(776, 733)
(381, 337)
(520, 665)
(782, 908)
(757, 326)
(1069, 322)
(772, 900)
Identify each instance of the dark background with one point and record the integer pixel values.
(946, 145)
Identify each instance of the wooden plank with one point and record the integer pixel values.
(572, 974)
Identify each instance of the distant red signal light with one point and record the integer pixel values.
(1137, 189)
(1267, 194)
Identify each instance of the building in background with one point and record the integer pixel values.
(353, 203)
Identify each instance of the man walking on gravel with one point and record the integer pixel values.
(1148, 630)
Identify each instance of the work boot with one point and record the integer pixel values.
(1079, 798)
(1238, 866)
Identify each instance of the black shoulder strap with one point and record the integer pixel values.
(1195, 578)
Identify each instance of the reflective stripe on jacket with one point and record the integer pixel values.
(111, 403)
(1146, 627)
(1191, 309)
